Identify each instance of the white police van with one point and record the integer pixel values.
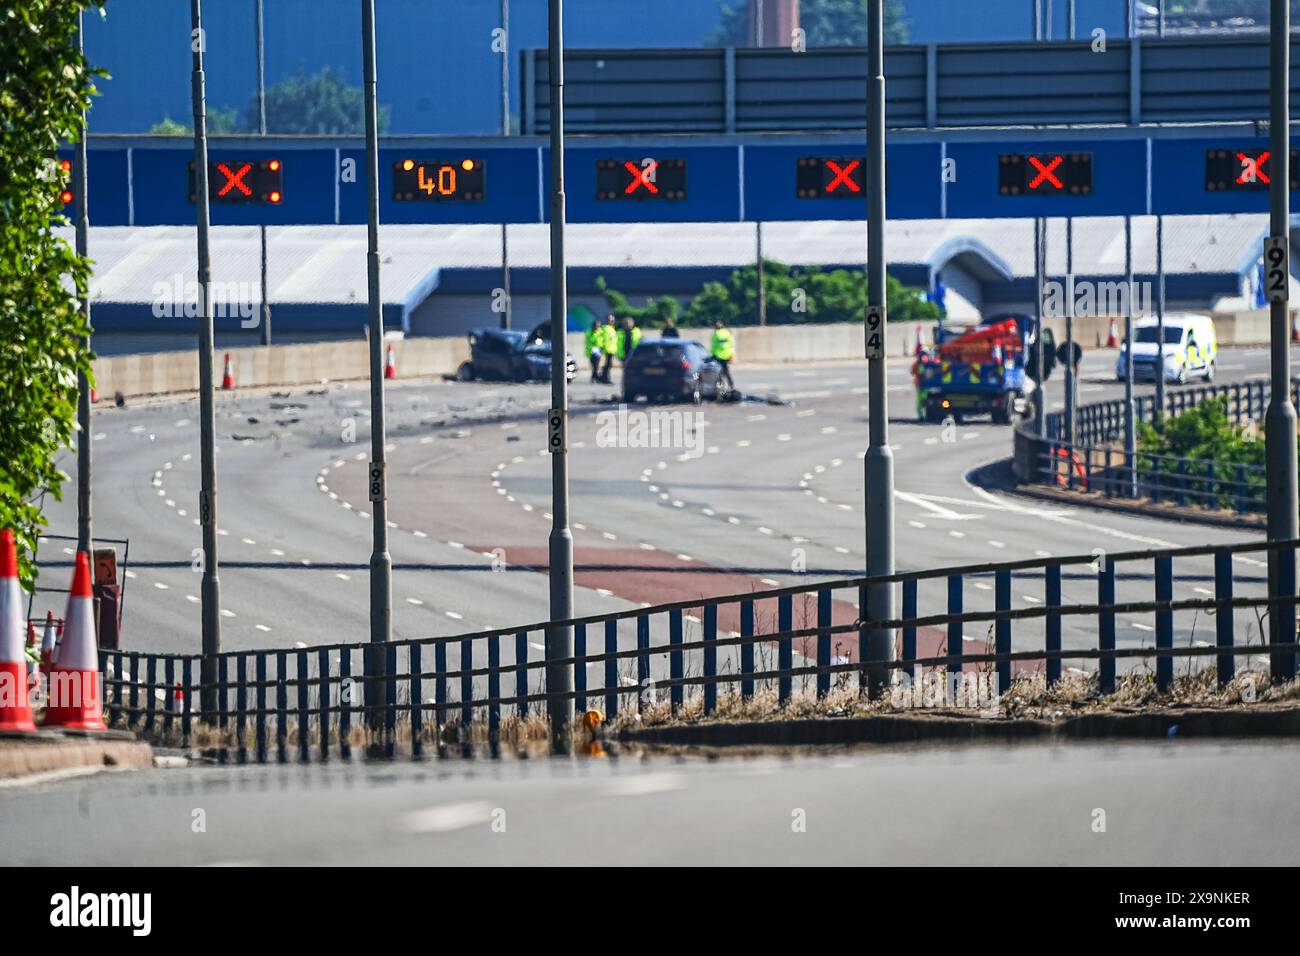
(1189, 350)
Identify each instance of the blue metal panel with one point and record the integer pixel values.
(1164, 570)
(510, 195)
(824, 642)
(109, 197)
(747, 649)
(909, 632)
(913, 189)
(642, 659)
(712, 185)
(785, 649)
(675, 656)
(710, 657)
(1178, 179)
(1053, 642)
(1002, 628)
(579, 668)
(161, 188)
(1118, 181)
(1106, 625)
(611, 668)
(956, 642)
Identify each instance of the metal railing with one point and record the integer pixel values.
(706, 654)
(1095, 460)
(1189, 79)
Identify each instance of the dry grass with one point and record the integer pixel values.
(1028, 697)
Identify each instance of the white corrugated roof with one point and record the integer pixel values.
(328, 264)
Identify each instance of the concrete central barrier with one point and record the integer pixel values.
(173, 373)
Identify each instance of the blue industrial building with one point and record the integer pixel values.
(437, 70)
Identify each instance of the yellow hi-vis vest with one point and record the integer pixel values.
(723, 345)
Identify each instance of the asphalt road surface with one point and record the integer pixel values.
(759, 495)
(1172, 803)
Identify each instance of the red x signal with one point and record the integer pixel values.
(1046, 173)
(641, 176)
(1252, 168)
(842, 175)
(234, 180)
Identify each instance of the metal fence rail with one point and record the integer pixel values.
(803, 641)
(939, 85)
(1095, 460)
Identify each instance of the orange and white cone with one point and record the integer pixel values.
(15, 702)
(178, 700)
(227, 376)
(75, 701)
(1112, 336)
(48, 642)
(390, 365)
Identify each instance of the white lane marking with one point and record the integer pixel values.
(262, 627)
(934, 508)
(1141, 627)
(447, 817)
(642, 785)
(342, 577)
(416, 601)
(1059, 518)
(454, 616)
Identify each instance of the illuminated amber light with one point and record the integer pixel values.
(467, 164)
(408, 164)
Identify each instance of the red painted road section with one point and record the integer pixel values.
(656, 577)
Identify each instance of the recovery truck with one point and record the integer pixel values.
(984, 369)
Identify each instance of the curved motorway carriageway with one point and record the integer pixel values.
(772, 495)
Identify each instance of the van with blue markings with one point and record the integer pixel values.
(1189, 350)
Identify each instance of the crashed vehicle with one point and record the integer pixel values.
(508, 355)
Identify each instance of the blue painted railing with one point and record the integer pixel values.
(784, 642)
(1095, 460)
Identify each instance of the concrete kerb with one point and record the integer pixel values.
(24, 755)
(998, 476)
(941, 727)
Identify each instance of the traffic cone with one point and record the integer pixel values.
(178, 700)
(48, 642)
(228, 376)
(390, 365)
(15, 703)
(1112, 336)
(94, 395)
(75, 701)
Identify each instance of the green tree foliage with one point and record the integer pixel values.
(652, 315)
(221, 122)
(321, 104)
(44, 86)
(1214, 448)
(825, 23)
(800, 294)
